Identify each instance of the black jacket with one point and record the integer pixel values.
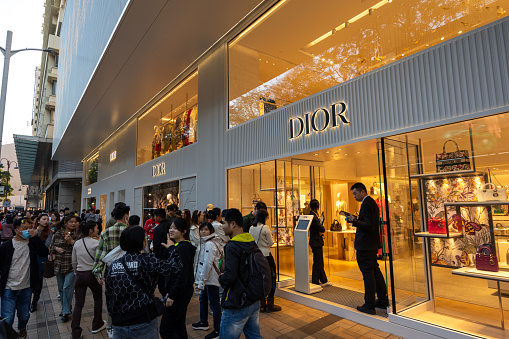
(160, 236)
(181, 279)
(233, 273)
(36, 248)
(315, 230)
(367, 236)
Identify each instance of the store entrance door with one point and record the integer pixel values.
(308, 181)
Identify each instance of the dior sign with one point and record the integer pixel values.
(158, 170)
(319, 120)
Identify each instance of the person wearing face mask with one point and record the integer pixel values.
(19, 273)
(109, 240)
(179, 285)
(44, 232)
(61, 247)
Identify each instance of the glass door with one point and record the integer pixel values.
(408, 286)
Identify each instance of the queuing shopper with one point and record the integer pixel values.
(239, 314)
(179, 285)
(248, 219)
(263, 238)
(44, 232)
(109, 240)
(8, 228)
(61, 247)
(83, 257)
(215, 216)
(194, 232)
(149, 227)
(172, 212)
(19, 273)
(367, 243)
(130, 285)
(208, 268)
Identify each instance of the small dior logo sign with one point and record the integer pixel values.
(319, 120)
(113, 155)
(89, 191)
(158, 170)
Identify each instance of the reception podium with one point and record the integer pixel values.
(301, 252)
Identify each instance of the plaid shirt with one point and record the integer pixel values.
(110, 238)
(63, 262)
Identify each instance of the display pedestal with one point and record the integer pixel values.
(301, 253)
(345, 240)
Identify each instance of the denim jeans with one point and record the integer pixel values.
(16, 301)
(65, 289)
(234, 322)
(210, 294)
(138, 331)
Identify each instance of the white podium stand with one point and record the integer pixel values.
(301, 253)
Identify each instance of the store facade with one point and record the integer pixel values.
(315, 110)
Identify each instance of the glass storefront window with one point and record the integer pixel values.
(441, 175)
(171, 123)
(91, 170)
(160, 196)
(298, 48)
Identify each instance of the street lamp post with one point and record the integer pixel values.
(7, 52)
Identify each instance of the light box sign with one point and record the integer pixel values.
(113, 156)
(158, 170)
(319, 120)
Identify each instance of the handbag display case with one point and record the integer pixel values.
(458, 160)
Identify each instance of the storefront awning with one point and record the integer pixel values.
(153, 43)
(32, 153)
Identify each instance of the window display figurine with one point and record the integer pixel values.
(156, 143)
(341, 206)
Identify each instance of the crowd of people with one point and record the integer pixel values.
(179, 252)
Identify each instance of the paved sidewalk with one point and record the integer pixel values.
(294, 321)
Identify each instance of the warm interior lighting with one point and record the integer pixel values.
(179, 86)
(359, 16)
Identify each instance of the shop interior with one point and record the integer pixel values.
(434, 277)
(171, 123)
(159, 196)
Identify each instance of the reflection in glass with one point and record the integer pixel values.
(300, 49)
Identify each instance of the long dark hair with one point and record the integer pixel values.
(61, 224)
(261, 217)
(45, 231)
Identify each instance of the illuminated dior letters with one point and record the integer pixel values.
(319, 120)
(159, 169)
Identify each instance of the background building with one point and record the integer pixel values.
(52, 184)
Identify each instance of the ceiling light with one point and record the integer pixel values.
(459, 32)
(327, 152)
(358, 152)
(339, 149)
(442, 38)
(346, 154)
(316, 153)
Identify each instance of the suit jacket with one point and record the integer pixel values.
(367, 236)
(160, 236)
(315, 238)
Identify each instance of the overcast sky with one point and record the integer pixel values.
(24, 19)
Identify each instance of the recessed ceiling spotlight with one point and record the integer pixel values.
(327, 152)
(442, 38)
(339, 149)
(316, 153)
(346, 154)
(459, 32)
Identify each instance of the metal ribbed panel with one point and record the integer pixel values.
(453, 81)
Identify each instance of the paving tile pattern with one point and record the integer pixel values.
(295, 321)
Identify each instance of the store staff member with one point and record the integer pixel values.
(367, 243)
(316, 229)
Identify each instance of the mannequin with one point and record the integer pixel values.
(156, 143)
(341, 205)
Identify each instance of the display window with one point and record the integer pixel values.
(451, 241)
(91, 169)
(297, 48)
(159, 196)
(287, 186)
(171, 123)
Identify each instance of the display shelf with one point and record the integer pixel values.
(446, 175)
(274, 226)
(476, 203)
(502, 235)
(345, 231)
(475, 273)
(437, 235)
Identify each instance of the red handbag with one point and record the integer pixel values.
(485, 260)
(437, 226)
(457, 223)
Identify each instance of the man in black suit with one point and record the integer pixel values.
(367, 243)
(316, 230)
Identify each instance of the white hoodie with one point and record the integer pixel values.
(210, 251)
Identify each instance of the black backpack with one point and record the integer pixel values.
(259, 276)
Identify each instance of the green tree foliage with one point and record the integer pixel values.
(5, 180)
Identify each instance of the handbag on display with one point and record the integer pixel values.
(437, 226)
(457, 160)
(457, 222)
(490, 192)
(485, 260)
(336, 226)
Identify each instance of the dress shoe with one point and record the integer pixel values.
(381, 304)
(33, 308)
(65, 318)
(366, 310)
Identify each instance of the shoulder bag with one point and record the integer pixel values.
(485, 260)
(87, 249)
(336, 226)
(48, 268)
(158, 304)
(219, 269)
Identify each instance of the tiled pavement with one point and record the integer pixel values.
(294, 321)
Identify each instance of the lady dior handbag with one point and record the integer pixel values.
(490, 192)
(485, 260)
(436, 226)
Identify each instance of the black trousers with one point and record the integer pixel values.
(272, 265)
(318, 275)
(173, 321)
(374, 281)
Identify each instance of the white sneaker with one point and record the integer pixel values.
(328, 283)
(110, 332)
(100, 328)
